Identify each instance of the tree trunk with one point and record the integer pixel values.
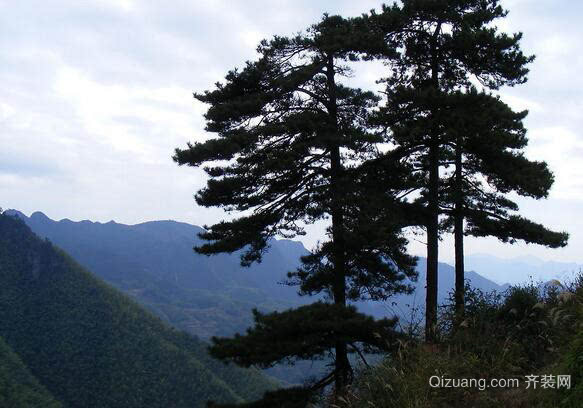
(342, 365)
(432, 245)
(433, 207)
(459, 236)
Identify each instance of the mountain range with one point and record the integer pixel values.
(69, 340)
(154, 263)
(522, 269)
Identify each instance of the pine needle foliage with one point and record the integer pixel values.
(290, 149)
(438, 120)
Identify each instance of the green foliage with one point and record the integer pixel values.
(293, 145)
(280, 124)
(573, 364)
(290, 144)
(520, 301)
(402, 381)
(482, 310)
(18, 387)
(528, 330)
(154, 263)
(465, 147)
(307, 332)
(570, 361)
(90, 346)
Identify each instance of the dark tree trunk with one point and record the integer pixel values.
(342, 365)
(459, 235)
(432, 245)
(433, 207)
(339, 288)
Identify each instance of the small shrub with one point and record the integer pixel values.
(520, 301)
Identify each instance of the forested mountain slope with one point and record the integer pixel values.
(18, 387)
(91, 346)
(207, 296)
(154, 263)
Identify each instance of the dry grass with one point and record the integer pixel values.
(529, 331)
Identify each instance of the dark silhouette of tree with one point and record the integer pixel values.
(446, 46)
(293, 146)
(482, 141)
(487, 139)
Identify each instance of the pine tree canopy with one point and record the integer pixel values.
(490, 138)
(377, 263)
(457, 38)
(293, 145)
(438, 120)
(277, 122)
(306, 333)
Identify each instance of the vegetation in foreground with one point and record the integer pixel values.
(530, 330)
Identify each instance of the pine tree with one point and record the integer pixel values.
(292, 147)
(487, 140)
(445, 46)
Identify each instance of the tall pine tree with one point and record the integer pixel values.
(446, 45)
(487, 139)
(291, 147)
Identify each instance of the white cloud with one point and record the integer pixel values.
(125, 5)
(128, 118)
(96, 95)
(562, 149)
(6, 111)
(518, 103)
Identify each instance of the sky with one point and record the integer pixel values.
(96, 95)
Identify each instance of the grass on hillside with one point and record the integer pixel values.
(529, 330)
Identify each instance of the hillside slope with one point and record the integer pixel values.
(206, 296)
(18, 387)
(154, 263)
(91, 346)
(210, 296)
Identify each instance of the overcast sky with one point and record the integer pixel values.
(95, 96)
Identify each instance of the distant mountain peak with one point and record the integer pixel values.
(37, 215)
(15, 213)
(522, 269)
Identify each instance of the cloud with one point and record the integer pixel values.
(562, 149)
(130, 119)
(97, 94)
